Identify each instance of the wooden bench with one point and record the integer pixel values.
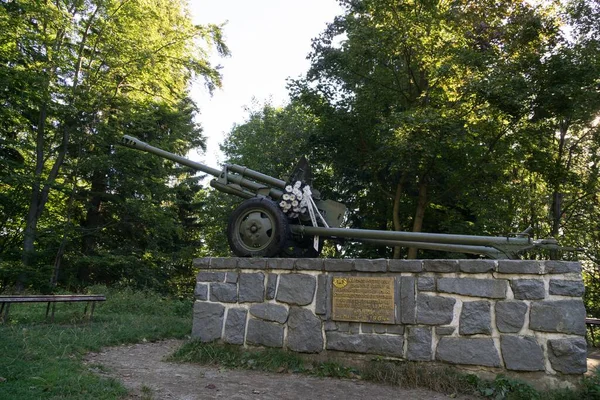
(6, 301)
(592, 323)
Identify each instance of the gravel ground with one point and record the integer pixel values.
(143, 371)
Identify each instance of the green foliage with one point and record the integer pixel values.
(43, 360)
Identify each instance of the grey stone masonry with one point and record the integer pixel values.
(252, 287)
(526, 318)
(304, 331)
(440, 265)
(477, 266)
(434, 310)
(475, 317)
(271, 286)
(208, 321)
(322, 294)
(201, 291)
(490, 288)
(405, 266)
(519, 267)
(296, 289)
(426, 284)
(418, 343)
(528, 289)
(469, 351)
(366, 343)
(223, 292)
(522, 353)
(235, 326)
(563, 316)
(270, 312)
(210, 276)
(407, 304)
(264, 333)
(562, 287)
(510, 316)
(379, 265)
(562, 267)
(568, 356)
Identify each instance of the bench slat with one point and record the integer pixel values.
(51, 298)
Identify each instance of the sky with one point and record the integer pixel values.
(269, 41)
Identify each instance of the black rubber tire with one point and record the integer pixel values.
(257, 228)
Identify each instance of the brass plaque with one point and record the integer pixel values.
(363, 299)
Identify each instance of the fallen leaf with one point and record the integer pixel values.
(281, 369)
(210, 386)
(255, 391)
(2, 379)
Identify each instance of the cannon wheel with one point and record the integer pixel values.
(257, 228)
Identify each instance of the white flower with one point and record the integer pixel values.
(288, 188)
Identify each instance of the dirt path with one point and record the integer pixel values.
(142, 370)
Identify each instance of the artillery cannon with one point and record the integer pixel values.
(279, 218)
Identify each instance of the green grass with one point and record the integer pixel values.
(42, 360)
(271, 360)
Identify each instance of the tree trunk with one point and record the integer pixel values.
(396, 214)
(419, 216)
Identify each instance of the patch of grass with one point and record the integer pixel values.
(272, 360)
(42, 360)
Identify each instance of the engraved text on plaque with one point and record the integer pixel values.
(363, 299)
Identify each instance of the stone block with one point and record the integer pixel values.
(364, 265)
(280, 263)
(201, 263)
(468, 351)
(231, 277)
(528, 289)
(309, 264)
(208, 321)
(418, 346)
(394, 329)
(330, 326)
(407, 305)
(252, 263)
(296, 289)
(562, 287)
(434, 310)
(440, 265)
(201, 291)
(426, 283)
(510, 316)
(373, 328)
(385, 345)
(322, 295)
(522, 353)
(206, 276)
(568, 356)
(252, 288)
(490, 288)
(519, 267)
(562, 267)
(264, 333)
(223, 292)
(271, 286)
(444, 330)
(270, 312)
(563, 316)
(475, 318)
(335, 265)
(405, 265)
(235, 326)
(223, 262)
(477, 266)
(304, 331)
